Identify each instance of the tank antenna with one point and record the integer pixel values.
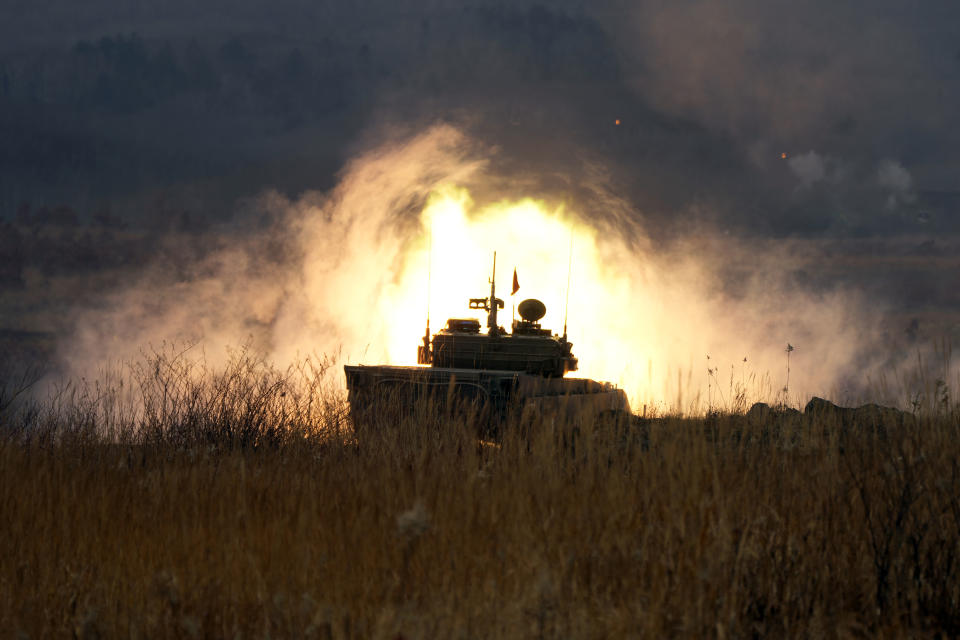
(429, 275)
(566, 305)
(492, 318)
(424, 356)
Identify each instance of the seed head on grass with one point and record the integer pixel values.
(413, 523)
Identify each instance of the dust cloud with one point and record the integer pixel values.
(699, 321)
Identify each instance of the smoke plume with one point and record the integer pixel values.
(683, 324)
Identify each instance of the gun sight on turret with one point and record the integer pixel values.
(484, 303)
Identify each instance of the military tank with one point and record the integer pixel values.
(522, 371)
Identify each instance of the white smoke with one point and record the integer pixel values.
(338, 253)
(897, 182)
(809, 168)
(666, 322)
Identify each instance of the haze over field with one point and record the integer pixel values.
(739, 175)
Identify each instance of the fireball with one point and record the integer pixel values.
(450, 260)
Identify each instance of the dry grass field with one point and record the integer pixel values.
(190, 503)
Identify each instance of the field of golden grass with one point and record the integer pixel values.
(239, 504)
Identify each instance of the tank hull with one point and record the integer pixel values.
(495, 394)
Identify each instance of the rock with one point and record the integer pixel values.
(759, 412)
(820, 406)
(869, 416)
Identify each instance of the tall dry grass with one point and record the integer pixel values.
(198, 503)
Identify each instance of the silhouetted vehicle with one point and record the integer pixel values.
(495, 373)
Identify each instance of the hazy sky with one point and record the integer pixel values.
(216, 100)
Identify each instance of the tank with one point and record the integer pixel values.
(496, 372)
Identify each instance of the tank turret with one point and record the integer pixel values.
(528, 347)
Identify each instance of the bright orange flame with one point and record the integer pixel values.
(617, 122)
(783, 156)
(535, 240)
